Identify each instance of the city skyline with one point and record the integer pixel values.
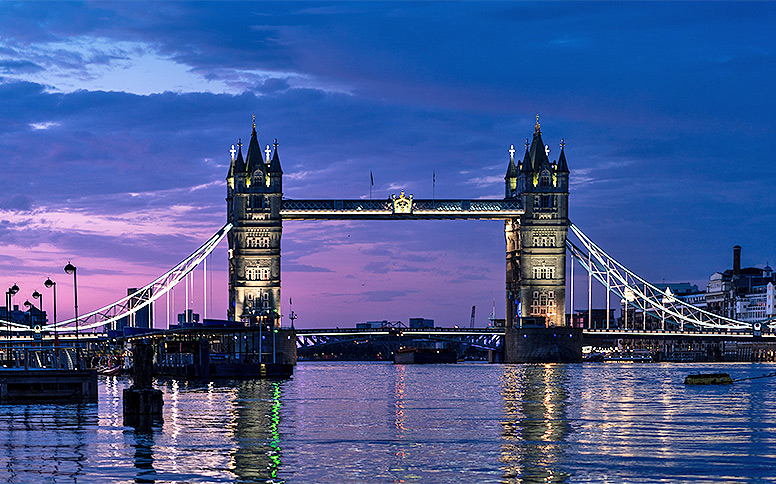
(118, 120)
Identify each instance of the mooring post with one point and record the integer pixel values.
(142, 403)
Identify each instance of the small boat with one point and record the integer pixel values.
(109, 370)
(708, 379)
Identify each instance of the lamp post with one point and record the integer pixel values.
(29, 306)
(37, 295)
(49, 283)
(71, 269)
(9, 298)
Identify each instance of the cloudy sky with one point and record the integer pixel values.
(116, 121)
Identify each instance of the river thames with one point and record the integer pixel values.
(353, 422)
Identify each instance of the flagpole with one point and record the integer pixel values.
(433, 187)
(371, 184)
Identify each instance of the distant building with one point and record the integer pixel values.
(188, 318)
(30, 318)
(596, 320)
(418, 323)
(142, 318)
(745, 294)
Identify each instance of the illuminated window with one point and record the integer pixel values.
(264, 274)
(264, 242)
(543, 240)
(543, 303)
(544, 272)
(251, 274)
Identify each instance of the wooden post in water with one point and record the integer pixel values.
(142, 403)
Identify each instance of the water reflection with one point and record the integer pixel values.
(144, 455)
(257, 453)
(536, 425)
(400, 372)
(41, 441)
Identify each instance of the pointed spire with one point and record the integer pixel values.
(274, 165)
(253, 160)
(231, 164)
(511, 168)
(239, 164)
(563, 167)
(537, 151)
(526, 165)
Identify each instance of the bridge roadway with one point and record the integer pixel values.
(492, 338)
(484, 337)
(401, 208)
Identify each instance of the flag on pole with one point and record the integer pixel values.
(290, 301)
(433, 175)
(371, 179)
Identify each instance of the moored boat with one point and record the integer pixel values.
(708, 379)
(424, 355)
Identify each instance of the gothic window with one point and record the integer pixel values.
(537, 202)
(264, 274)
(251, 274)
(264, 242)
(544, 272)
(535, 305)
(544, 180)
(265, 299)
(543, 303)
(543, 240)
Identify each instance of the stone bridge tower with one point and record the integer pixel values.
(536, 258)
(253, 196)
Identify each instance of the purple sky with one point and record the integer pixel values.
(116, 120)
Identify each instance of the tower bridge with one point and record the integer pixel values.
(536, 228)
(534, 210)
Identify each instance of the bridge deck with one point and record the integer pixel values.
(389, 209)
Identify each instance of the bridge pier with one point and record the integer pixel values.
(538, 344)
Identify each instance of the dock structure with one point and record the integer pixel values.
(51, 375)
(220, 349)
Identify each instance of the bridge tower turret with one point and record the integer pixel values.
(254, 194)
(536, 262)
(543, 229)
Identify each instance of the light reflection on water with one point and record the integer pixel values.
(376, 423)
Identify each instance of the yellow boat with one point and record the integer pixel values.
(708, 379)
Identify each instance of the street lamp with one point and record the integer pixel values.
(37, 295)
(29, 306)
(49, 283)
(71, 269)
(9, 299)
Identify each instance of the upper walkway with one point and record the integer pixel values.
(401, 208)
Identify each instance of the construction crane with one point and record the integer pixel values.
(471, 323)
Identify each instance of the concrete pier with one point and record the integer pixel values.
(538, 344)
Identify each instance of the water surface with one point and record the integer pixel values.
(345, 422)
